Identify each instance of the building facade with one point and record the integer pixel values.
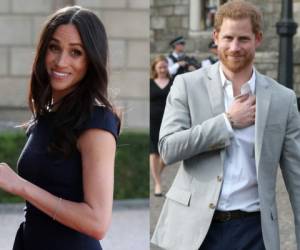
(127, 25)
(193, 19)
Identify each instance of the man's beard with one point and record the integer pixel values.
(244, 59)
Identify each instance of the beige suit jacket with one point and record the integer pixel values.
(193, 131)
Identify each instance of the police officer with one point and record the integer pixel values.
(213, 58)
(178, 62)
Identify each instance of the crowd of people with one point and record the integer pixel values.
(228, 125)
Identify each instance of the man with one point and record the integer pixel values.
(213, 58)
(178, 61)
(231, 127)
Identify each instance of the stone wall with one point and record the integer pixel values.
(170, 18)
(127, 25)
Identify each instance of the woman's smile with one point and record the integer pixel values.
(66, 60)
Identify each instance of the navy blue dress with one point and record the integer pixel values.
(60, 176)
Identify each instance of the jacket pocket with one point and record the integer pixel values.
(179, 195)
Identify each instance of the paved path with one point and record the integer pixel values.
(287, 235)
(129, 229)
(9, 126)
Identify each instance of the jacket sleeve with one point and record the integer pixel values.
(179, 140)
(290, 162)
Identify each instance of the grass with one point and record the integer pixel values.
(132, 167)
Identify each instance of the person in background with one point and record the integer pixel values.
(160, 84)
(213, 58)
(178, 61)
(66, 168)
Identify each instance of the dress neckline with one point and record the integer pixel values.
(155, 83)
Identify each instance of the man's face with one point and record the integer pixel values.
(236, 44)
(179, 47)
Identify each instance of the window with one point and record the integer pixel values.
(202, 14)
(209, 9)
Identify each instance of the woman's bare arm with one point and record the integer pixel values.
(93, 215)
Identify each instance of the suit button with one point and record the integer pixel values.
(219, 178)
(212, 205)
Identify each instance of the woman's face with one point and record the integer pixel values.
(66, 60)
(161, 69)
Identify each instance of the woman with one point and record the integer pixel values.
(66, 168)
(160, 84)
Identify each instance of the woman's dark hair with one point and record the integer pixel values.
(75, 108)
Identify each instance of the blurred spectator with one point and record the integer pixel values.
(160, 84)
(213, 58)
(178, 61)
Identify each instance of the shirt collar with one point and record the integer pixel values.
(177, 55)
(250, 82)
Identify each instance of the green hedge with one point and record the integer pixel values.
(11, 145)
(131, 172)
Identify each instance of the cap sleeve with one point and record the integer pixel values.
(102, 118)
(30, 127)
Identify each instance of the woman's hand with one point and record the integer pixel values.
(9, 180)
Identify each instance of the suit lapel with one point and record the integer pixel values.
(215, 90)
(263, 99)
(216, 95)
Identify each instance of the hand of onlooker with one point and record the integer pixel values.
(242, 111)
(191, 68)
(182, 63)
